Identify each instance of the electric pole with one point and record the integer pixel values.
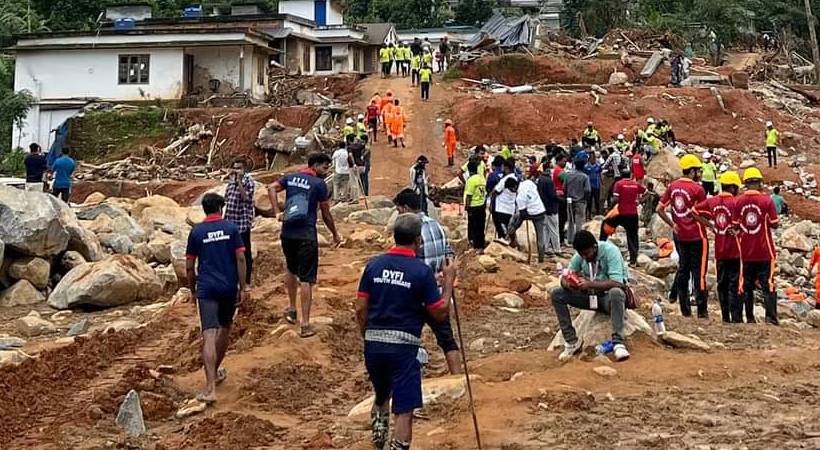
(815, 52)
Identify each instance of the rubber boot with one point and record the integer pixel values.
(380, 423)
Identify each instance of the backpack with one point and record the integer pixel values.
(296, 208)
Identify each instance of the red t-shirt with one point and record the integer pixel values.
(629, 195)
(556, 179)
(683, 194)
(721, 210)
(373, 112)
(534, 172)
(637, 168)
(755, 213)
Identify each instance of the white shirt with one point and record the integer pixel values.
(505, 198)
(529, 199)
(340, 161)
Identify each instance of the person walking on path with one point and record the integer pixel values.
(419, 182)
(772, 141)
(689, 234)
(434, 250)
(216, 272)
(372, 116)
(36, 167)
(384, 59)
(415, 67)
(530, 207)
(611, 172)
(444, 50)
(397, 124)
(341, 173)
(602, 275)
(305, 192)
(450, 142)
(546, 190)
(577, 189)
(425, 78)
(475, 200)
(396, 294)
(63, 168)
(240, 209)
(593, 171)
(626, 194)
(718, 213)
(756, 217)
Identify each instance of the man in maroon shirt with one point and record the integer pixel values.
(756, 215)
(718, 213)
(558, 181)
(626, 193)
(690, 235)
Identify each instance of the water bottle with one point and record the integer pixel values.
(657, 312)
(604, 347)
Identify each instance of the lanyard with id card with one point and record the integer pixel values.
(593, 298)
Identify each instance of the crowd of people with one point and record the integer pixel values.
(411, 59)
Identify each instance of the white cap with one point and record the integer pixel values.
(361, 116)
(621, 136)
(650, 120)
(349, 121)
(707, 155)
(769, 123)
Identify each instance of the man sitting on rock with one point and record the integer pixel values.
(595, 281)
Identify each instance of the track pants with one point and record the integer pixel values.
(693, 264)
(728, 288)
(759, 272)
(562, 219)
(576, 217)
(771, 155)
(425, 90)
(553, 244)
(476, 218)
(630, 224)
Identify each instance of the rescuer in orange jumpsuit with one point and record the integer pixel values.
(815, 261)
(387, 118)
(397, 125)
(384, 101)
(450, 141)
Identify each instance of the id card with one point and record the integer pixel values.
(593, 301)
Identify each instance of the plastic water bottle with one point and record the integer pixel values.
(604, 347)
(657, 312)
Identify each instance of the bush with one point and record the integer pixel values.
(12, 163)
(453, 73)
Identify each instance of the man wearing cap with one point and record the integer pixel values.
(772, 140)
(450, 142)
(690, 235)
(590, 137)
(718, 213)
(709, 174)
(396, 294)
(651, 127)
(755, 215)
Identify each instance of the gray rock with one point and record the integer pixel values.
(30, 223)
(644, 260)
(342, 211)
(32, 269)
(596, 327)
(129, 418)
(21, 293)
(378, 216)
(33, 325)
(794, 240)
(79, 238)
(71, 259)
(678, 340)
(15, 356)
(509, 300)
(488, 263)
(78, 328)
(661, 267)
(659, 228)
(118, 243)
(812, 318)
(129, 227)
(500, 251)
(11, 342)
(116, 280)
(91, 212)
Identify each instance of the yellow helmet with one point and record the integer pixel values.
(690, 162)
(730, 178)
(752, 173)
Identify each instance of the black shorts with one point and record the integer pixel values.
(373, 123)
(302, 258)
(216, 313)
(444, 334)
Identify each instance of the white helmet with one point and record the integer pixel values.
(650, 120)
(707, 155)
(349, 121)
(769, 123)
(361, 116)
(620, 137)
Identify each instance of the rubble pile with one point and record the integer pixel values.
(287, 89)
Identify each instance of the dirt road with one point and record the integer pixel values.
(390, 170)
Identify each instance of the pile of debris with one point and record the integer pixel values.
(289, 89)
(786, 98)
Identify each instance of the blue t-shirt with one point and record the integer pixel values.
(316, 189)
(63, 167)
(215, 243)
(594, 172)
(399, 287)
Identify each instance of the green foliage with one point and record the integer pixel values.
(473, 12)
(12, 162)
(13, 105)
(453, 73)
(409, 13)
(109, 133)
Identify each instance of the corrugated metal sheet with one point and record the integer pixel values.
(503, 32)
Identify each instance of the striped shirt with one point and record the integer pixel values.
(237, 211)
(434, 245)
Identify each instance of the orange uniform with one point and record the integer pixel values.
(387, 115)
(450, 141)
(815, 261)
(397, 123)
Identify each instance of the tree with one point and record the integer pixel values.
(409, 13)
(13, 105)
(473, 12)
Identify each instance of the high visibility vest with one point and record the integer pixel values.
(772, 137)
(361, 128)
(592, 134)
(425, 75)
(348, 130)
(384, 55)
(621, 145)
(415, 62)
(427, 58)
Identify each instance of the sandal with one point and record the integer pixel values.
(307, 331)
(290, 316)
(221, 375)
(201, 398)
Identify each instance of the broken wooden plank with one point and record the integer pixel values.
(652, 64)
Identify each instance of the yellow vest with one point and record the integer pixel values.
(425, 75)
(415, 62)
(348, 130)
(384, 55)
(772, 137)
(427, 58)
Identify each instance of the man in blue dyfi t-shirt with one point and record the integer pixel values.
(217, 285)
(63, 168)
(397, 291)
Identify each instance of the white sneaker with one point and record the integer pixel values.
(503, 241)
(621, 353)
(570, 350)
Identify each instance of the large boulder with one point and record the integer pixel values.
(30, 223)
(341, 211)
(147, 202)
(664, 167)
(275, 137)
(379, 216)
(792, 239)
(661, 267)
(116, 280)
(32, 269)
(659, 228)
(500, 251)
(80, 239)
(109, 209)
(94, 198)
(160, 247)
(118, 243)
(21, 293)
(128, 227)
(595, 327)
(167, 218)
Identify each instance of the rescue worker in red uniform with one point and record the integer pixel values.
(755, 215)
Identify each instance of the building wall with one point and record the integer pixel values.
(94, 73)
(299, 8)
(335, 14)
(221, 63)
(38, 125)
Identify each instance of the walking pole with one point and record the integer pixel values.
(466, 371)
(529, 242)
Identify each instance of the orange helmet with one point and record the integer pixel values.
(448, 122)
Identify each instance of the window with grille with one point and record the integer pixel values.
(306, 58)
(134, 69)
(357, 59)
(260, 69)
(324, 60)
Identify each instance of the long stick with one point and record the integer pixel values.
(466, 371)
